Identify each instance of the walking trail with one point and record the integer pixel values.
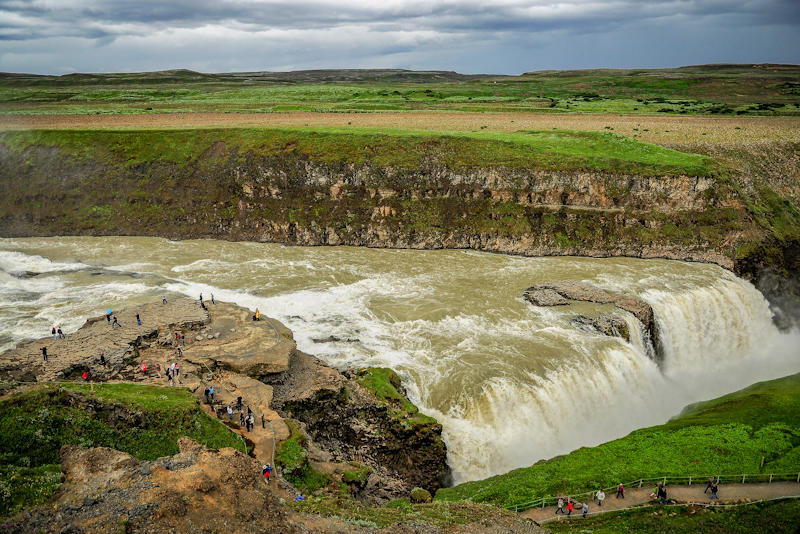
(728, 494)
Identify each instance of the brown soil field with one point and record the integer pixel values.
(662, 129)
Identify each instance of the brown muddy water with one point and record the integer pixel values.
(510, 383)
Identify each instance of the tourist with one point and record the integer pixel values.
(585, 509)
(249, 411)
(201, 298)
(266, 471)
(569, 507)
(138, 320)
(211, 393)
(103, 361)
(144, 367)
(601, 496)
(180, 351)
(252, 421)
(238, 404)
(172, 368)
(299, 498)
(620, 491)
(709, 484)
(212, 298)
(85, 375)
(203, 305)
(163, 299)
(61, 334)
(230, 412)
(560, 507)
(205, 392)
(54, 333)
(44, 353)
(108, 317)
(241, 418)
(263, 421)
(177, 369)
(169, 376)
(714, 491)
(115, 323)
(662, 493)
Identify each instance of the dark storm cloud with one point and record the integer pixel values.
(65, 29)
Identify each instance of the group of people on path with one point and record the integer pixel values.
(659, 492)
(248, 421)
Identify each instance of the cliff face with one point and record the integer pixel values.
(731, 216)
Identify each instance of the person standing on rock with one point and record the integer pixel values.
(144, 367)
(249, 411)
(44, 353)
(177, 370)
(230, 412)
(211, 393)
(601, 496)
(103, 360)
(238, 404)
(620, 491)
(172, 368)
(115, 323)
(53, 331)
(61, 334)
(212, 298)
(163, 299)
(585, 509)
(263, 421)
(205, 392)
(241, 418)
(138, 320)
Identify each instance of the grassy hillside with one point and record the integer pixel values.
(708, 89)
(777, 517)
(725, 436)
(145, 421)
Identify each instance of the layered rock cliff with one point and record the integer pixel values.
(742, 218)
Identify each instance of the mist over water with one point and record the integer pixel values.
(510, 383)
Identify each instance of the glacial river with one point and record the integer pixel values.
(510, 383)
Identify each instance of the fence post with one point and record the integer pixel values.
(743, 477)
(640, 480)
(690, 481)
(665, 481)
(798, 476)
(770, 479)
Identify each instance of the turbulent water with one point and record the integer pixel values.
(510, 383)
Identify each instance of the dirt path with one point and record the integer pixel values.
(650, 128)
(731, 493)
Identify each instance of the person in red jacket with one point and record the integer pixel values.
(569, 508)
(620, 491)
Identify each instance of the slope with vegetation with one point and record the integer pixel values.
(145, 421)
(755, 430)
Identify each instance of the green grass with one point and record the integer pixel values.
(292, 457)
(34, 425)
(776, 517)
(383, 383)
(398, 149)
(725, 436)
(694, 90)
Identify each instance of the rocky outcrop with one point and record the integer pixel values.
(558, 294)
(197, 490)
(607, 324)
(403, 448)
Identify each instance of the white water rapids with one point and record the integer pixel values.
(510, 383)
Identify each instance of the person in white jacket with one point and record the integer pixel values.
(601, 496)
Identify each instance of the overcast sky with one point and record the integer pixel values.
(469, 36)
